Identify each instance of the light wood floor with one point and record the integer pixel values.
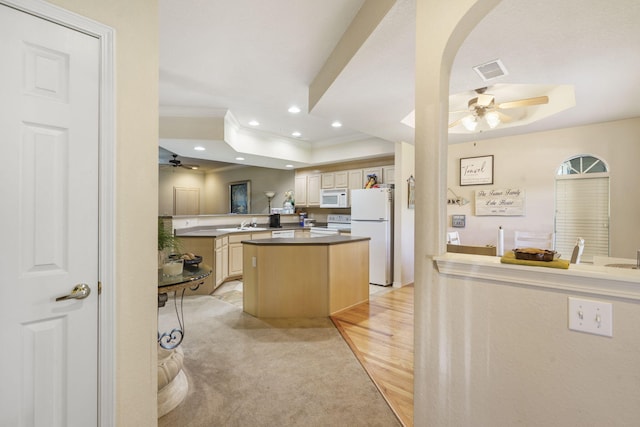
(380, 333)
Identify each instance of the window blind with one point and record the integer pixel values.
(582, 210)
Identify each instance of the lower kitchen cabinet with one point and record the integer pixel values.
(235, 253)
(222, 260)
(203, 246)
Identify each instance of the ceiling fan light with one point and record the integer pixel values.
(492, 118)
(470, 123)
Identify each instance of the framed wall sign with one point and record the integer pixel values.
(500, 202)
(240, 197)
(458, 221)
(476, 170)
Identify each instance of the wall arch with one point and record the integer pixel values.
(441, 27)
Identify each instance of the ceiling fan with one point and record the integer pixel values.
(484, 107)
(177, 163)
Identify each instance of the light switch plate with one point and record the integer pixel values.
(592, 317)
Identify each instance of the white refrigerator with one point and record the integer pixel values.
(372, 216)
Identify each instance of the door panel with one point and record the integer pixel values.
(49, 82)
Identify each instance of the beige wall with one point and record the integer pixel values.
(530, 162)
(170, 177)
(136, 78)
(404, 220)
(262, 179)
(214, 188)
(490, 354)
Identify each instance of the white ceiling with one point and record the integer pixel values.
(254, 59)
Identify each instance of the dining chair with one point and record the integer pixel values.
(453, 238)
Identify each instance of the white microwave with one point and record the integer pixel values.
(333, 198)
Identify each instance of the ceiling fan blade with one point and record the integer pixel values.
(186, 166)
(456, 123)
(504, 118)
(459, 112)
(524, 102)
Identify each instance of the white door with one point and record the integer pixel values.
(49, 146)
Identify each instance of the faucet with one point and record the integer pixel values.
(243, 224)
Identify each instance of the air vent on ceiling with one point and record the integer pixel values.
(491, 70)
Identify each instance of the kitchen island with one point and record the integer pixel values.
(304, 277)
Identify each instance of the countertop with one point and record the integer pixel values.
(312, 241)
(214, 231)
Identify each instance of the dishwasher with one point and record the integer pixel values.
(288, 234)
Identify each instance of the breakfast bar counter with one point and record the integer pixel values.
(313, 277)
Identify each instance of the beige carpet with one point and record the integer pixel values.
(248, 372)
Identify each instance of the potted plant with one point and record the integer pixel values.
(167, 243)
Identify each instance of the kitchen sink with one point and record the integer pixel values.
(239, 229)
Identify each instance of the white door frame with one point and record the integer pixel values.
(106, 262)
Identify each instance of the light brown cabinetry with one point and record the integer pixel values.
(313, 190)
(341, 179)
(222, 260)
(300, 189)
(203, 247)
(328, 180)
(336, 277)
(235, 253)
(388, 174)
(307, 190)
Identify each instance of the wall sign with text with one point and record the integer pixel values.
(500, 202)
(476, 170)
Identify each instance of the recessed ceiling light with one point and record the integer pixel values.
(288, 166)
(254, 123)
(296, 134)
(239, 158)
(294, 109)
(199, 148)
(336, 124)
(194, 168)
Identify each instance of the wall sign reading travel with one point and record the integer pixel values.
(476, 170)
(500, 202)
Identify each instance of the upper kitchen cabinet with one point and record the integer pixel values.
(349, 175)
(341, 179)
(328, 180)
(338, 179)
(355, 179)
(307, 190)
(300, 189)
(313, 190)
(388, 174)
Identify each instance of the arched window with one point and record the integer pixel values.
(582, 164)
(582, 206)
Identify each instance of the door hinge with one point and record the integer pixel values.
(99, 287)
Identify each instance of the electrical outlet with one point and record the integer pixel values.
(592, 317)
